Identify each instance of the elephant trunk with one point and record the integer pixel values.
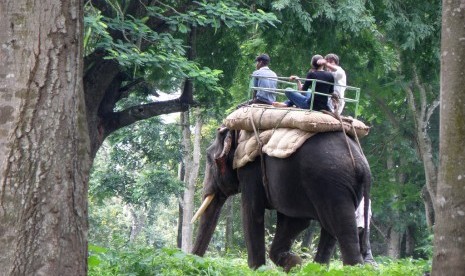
(208, 222)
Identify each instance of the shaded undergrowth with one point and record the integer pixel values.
(166, 261)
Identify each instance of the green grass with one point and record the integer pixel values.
(140, 262)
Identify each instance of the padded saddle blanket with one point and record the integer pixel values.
(269, 117)
(282, 131)
(279, 143)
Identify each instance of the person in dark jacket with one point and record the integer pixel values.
(302, 98)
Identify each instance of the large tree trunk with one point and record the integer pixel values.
(181, 172)
(449, 231)
(410, 241)
(44, 145)
(187, 207)
(394, 241)
(192, 161)
(179, 232)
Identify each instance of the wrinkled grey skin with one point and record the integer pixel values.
(317, 182)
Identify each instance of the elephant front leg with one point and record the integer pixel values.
(253, 215)
(254, 234)
(287, 230)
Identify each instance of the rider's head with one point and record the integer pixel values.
(262, 60)
(332, 58)
(315, 64)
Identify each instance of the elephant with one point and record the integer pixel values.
(323, 180)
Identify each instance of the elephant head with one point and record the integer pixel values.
(219, 183)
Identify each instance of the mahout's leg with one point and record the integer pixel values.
(253, 213)
(287, 229)
(367, 255)
(325, 247)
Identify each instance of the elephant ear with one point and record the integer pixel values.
(222, 158)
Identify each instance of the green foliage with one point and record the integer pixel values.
(109, 225)
(379, 42)
(174, 262)
(164, 262)
(425, 248)
(417, 21)
(140, 166)
(146, 49)
(212, 14)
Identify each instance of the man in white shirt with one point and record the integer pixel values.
(331, 61)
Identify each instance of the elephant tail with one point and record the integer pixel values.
(367, 181)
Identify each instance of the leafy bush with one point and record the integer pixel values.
(103, 262)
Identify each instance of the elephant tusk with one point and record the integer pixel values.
(202, 208)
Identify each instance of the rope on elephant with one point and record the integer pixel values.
(280, 120)
(336, 115)
(358, 141)
(262, 159)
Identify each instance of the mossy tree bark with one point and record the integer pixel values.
(44, 140)
(449, 238)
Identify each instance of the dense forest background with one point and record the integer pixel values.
(108, 106)
(390, 49)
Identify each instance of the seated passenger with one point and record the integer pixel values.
(264, 77)
(303, 100)
(331, 62)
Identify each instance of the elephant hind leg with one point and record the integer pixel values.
(287, 230)
(325, 247)
(339, 221)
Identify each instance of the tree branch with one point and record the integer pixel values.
(423, 101)
(188, 91)
(412, 105)
(431, 109)
(116, 120)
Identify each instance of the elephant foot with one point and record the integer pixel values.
(286, 260)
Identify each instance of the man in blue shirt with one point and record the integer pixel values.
(266, 78)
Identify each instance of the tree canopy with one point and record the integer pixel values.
(136, 50)
(147, 58)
